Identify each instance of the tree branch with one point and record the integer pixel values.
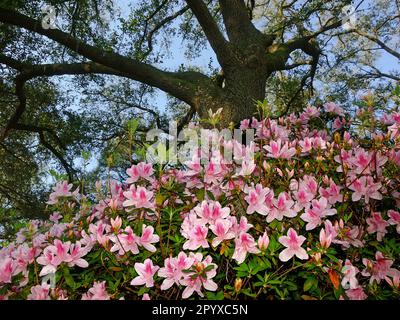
(69, 170)
(28, 72)
(178, 84)
(239, 27)
(378, 42)
(210, 29)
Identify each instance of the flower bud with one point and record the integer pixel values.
(116, 224)
(238, 284)
(263, 241)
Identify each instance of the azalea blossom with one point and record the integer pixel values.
(379, 269)
(319, 209)
(146, 271)
(148, 237)
(75, 257)
(244, 244)
(356, 294)
(139, 198)
(333, 108)
(365, 187)
(116, 223)
(141, 170)
(394, 219)
(53, 256)
(173, 270)
(39, 292)
(61, 190)
(197, 237)
(263, 242)
(282, 207)
(256, 198)
(97, 292)
(306, 144)
(377, 224)
(276, 150)
(7, 267)
(332, 193)
(222, 229)
(210, 211)
(125, 242)
(349, 280)
(201, 277)
(325, 239)
(247, 168)
(293, 243)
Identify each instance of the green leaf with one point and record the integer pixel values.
(69, 280)
(309, 283)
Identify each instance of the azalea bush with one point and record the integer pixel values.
(308, 210)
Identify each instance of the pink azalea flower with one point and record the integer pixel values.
(125, 242)
(332, 193)
(222, 229)
(148, 237)
(76, 254)
(62, 189)
(39, 292)
(7, 267)
(313, 215)
(333, 108)
(306, 144)
(146, 297)
(394, 219)
(263, 242)
(325, 239)
(212, 172)
(379, 269)
(276, 150)
(47, 259)
(139, 198)
(356, 294)
(256, 198)
(293, 243)
(282, 207)
(145, 272)
(349, 280)
(377, 224)
(173, 270)
(197, 237)
(247, 168)
(244, 244)
(365, 186)
(141, 170)
(200, 278)
(99, 232)
(303, 197)
(210, 211)
(55, 217)
(242, 226)
(53, 256)
(244, 124)
(116, 223)
(361, 161)
(311, 112)
(97, 292)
